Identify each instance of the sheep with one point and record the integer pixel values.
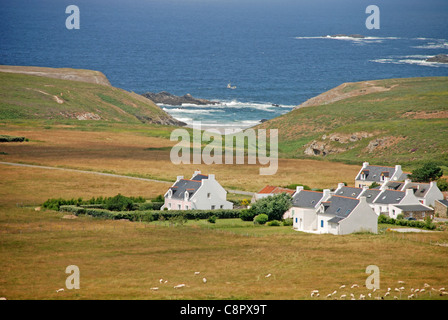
(60, 290)
(342, 287)
(334, 292)
(442, 289)
(161, 280)
(422, 290)
(388, 289)
(416, 291)
(179, 286)
(329, 295)
(196, 273)
(352, 295)
(154, 288)
(2, 298)
(395, 298)
(343, 296)
(402, 288)
(268, 275)
(204, 280)
(401, 282)
(362, 297)
(370, 295)
(315, 293)
(397, 290)
(411, 296)
(355, 286)
(426, 285)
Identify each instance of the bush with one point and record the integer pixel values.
(211, 219)
(248, 214)
(429, 171)
(288, 222)
(148, 206)
(274, 223)
(261, 218)
(274, 206)
(119, 203)
(442, 184)
(7, 138)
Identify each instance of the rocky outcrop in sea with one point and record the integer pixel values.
(440, 58)
(173, 100)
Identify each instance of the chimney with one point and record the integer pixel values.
(196, 173)
(179, 178)
(326, 194)
(365, 188)
(299, 188)
(409, 191)
(211, 177)
(365, 164)
(397, 168)
(406, 181)
(340, 185)
(362, 200)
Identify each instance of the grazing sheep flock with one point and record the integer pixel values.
(424, 292)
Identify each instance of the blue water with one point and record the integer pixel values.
(271, 50)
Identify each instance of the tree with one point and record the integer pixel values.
(430, 171)
(274, 206)
(119, 203)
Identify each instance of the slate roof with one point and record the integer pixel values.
(420, 189)
(395, 185)
(183, 185)
(373, 173)
(413, 207)
(349, 192)
(444, 202)
(340, 207)
(306, 199)
(390, 197)
(370, 194)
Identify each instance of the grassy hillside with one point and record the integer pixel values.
(385, 121)
(26, 96)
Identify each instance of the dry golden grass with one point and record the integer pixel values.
(124, 260)
(134, 154)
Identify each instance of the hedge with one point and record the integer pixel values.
(151, 215)
(7, 138)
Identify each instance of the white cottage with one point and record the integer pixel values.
(201, 192)
(304, 206)
(344, 215)
(370, 174)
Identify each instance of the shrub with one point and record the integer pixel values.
(273, 223)
(429, 171)
(247, 214)
(211, 219)
(274, 206)
(7, 138)
(261, 218)
(288, 222)
(119, 203)
(442, 184)
(149, 206)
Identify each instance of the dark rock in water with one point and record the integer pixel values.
(263, 120)
(441, 58)
(170, 99)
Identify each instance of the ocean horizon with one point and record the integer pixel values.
(274, 54)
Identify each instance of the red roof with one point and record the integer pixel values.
(273, 189)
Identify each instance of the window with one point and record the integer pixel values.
(179, 207)
(169, 205)
(321, 223)
(296, 220)
(186, 207)
(221, 207)
(363, 176)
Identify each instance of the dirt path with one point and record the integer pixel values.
(107, 175)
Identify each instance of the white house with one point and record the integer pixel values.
(304, 206)
(384, 201)
(344, 215)
(427, 193)
(201, 192)
(370, 174)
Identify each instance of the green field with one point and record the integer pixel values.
(411, 114)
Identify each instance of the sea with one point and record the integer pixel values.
(273, 54)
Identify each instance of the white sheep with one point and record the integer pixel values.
(60, 290)
(342, 287)
(343, 296)
(411, 296)
(268, 275)
(355, 286)
(154, 288)
(362, 297)
(196, 273)
(204, 280)
(401, 282)
(179, 286)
